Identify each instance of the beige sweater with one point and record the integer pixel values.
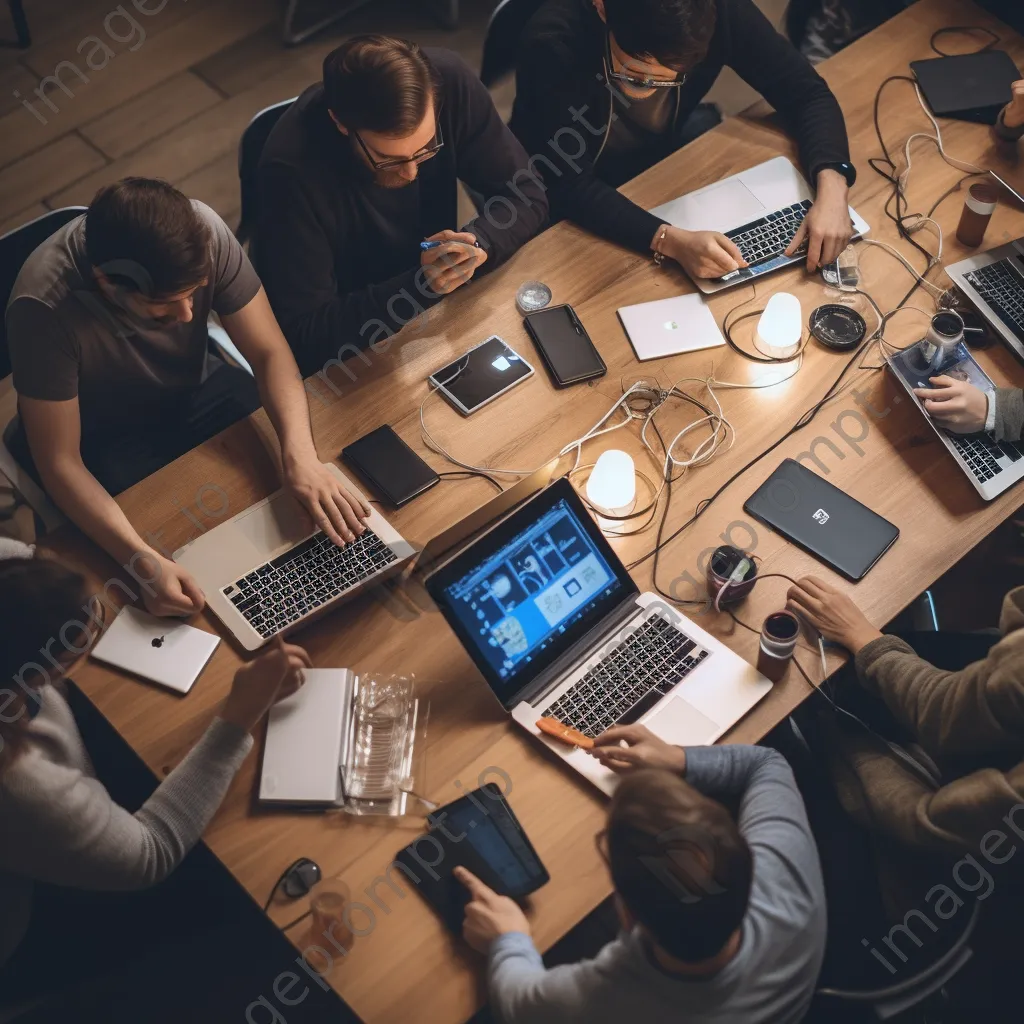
(970, 723)
(58, 823)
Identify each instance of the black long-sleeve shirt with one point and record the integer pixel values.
(339, 255)
(563, 108)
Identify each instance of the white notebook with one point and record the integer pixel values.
(307, 735)
(667, 327)
(165, 651)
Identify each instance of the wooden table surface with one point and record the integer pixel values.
(404, 967)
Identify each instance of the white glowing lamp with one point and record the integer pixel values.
(612, 487)
(780, 326)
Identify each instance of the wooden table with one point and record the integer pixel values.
(404, 967)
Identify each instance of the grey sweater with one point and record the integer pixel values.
(59, 824)
(772, 976)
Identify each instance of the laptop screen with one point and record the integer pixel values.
(529, 589)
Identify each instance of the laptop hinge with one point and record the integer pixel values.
(580, 651)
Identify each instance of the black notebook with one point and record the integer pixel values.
(846, 535)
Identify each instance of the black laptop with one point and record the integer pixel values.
(968, 87)
(820, 518)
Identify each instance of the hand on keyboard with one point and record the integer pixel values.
(955, 404)
(827, 228)
(333, 509)
(702, 253)
(643, 750)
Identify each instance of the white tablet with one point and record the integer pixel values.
(668, 327)
(486, 371)
(165, 651)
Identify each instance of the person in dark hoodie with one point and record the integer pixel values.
(606, 88)
(361, 170)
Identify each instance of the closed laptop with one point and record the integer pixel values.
(822, 519)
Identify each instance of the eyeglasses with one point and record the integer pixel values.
(417, 158)
(631, 80)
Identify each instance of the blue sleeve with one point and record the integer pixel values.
(524, 991)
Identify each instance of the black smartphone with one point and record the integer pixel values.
(481, 833)
(390, 466)
(564, 345)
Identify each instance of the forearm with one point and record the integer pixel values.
(284, 399)
(84, 500)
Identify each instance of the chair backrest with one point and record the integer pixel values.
(504, 31)
(15, 247)
(250, 148)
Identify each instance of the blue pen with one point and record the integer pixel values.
(424, 246)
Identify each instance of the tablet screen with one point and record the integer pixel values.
(481, 374)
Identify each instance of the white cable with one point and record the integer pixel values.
(903, 259)
(960, 165)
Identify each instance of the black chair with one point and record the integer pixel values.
(254, 138)
(501, 42)
(15, 247)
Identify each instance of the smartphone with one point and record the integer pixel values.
(390, 466)
(564, 345)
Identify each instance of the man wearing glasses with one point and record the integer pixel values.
(626, 78)
(360, 172)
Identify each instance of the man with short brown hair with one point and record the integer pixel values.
(361, 170)
(723, 918)
(107, 332)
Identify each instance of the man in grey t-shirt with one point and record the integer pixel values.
(107, 333)
(723, 919)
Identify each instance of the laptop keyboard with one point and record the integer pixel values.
(986, 457)
(1003, 289)
(306, 578)
(631, 680)
(766, 240)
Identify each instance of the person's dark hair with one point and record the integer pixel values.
(676, 33)
(679, 863)
(379, 84)
(147, 236)
(41, 601)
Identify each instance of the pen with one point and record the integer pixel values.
(424, 246)
(564, 733)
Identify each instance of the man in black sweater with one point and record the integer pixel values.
(606, 88)
(364, 168)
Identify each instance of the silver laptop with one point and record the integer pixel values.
(760, 209)
(558, 628)
(993, 281)
(264, 572)
(991, 466)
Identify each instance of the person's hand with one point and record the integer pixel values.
(174, 589)
(955, 404)
(827, 228)
(831, 613)
(336, 511)
(273, 675)
(1013, 112)
(488, 915)
(452, 264)
(645, 750)
(702, 253)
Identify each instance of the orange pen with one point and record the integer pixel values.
(564, 733)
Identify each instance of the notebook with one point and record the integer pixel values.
(817, 516)
(163, 651)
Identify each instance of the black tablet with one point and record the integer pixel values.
(479, 832)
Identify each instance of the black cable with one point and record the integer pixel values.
(993, 41)
(474, 472)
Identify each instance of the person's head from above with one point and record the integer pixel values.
(383, 95)
(681, 869)
(652, 44)
(45, 615)
(149, 249)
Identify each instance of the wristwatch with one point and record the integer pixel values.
(848, 171)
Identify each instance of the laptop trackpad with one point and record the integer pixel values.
(278, 524)
(721, 207)
(681, 724)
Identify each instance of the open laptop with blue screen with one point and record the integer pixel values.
(558, 628)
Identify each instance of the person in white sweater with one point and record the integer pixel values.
(58, 822)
